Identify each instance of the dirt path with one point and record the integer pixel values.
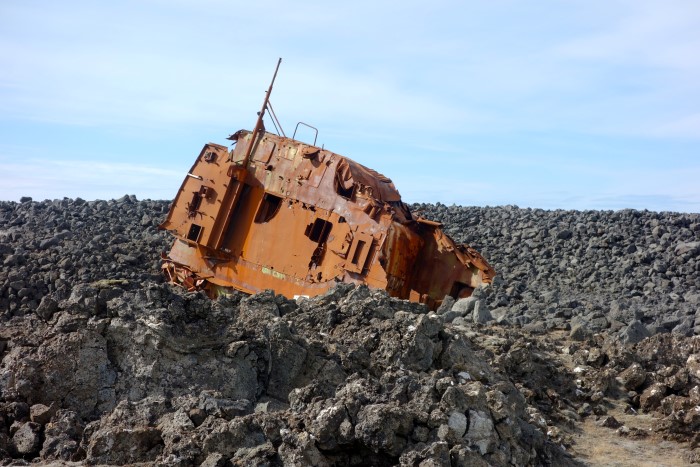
(601, 446)
(597, 445)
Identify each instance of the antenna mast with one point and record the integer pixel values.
(259, 124)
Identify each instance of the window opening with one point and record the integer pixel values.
(268, 208)
(358, 252)
(318, 231)
(361, 252)
(194, 232)
(193, 206)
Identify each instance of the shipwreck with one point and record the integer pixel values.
(271, 212)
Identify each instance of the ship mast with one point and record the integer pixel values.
(259, 124)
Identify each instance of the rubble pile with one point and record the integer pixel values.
(103, 363)
(628, 273)
(53, 245)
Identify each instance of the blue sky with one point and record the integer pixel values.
(544, 104)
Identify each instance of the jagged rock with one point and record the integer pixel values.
(652, 396)
(125, 446)
(300, 449)
(458, 424)
(47, 307)
(481, 432)
(481, 313)
(579, 332)
(610, 422)
(465, 306)
(62, 437)
(634, 333)
(565, 234)
(383, 427)
(214, 459)
(41, 414)
(689, 248)
(73, 368)
(446, 305)
(225, 408)
(15, 412)
(633, 377)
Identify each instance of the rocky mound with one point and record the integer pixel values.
(102, 363)
(629, 273)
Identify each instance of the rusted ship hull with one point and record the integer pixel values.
(276, 213)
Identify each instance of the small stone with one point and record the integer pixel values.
(481, 430)
(41, 414)
(565, 234)
(652, 396)
(633, 377)
(458, 423)
(197, 415)
(634, 333)
(465, 306)
(47, 308)
(610, 422)
(27, 439)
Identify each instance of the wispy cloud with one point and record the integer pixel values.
(513, 102)
(51, 179)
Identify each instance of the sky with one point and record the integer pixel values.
(544, 104)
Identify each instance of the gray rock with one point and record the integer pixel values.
(481, 313)
(634, 333)
(226, 408)
(120, 445)
(565, 234)
(580, 333)
(652, 396)
(214, 459)
(62, 437)
(27, 439)
(481, 431)
(465, 306)
(458, 424)
(384, 428)
(610, 422)
(47, 307)
(690, 248)
(446, 305)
